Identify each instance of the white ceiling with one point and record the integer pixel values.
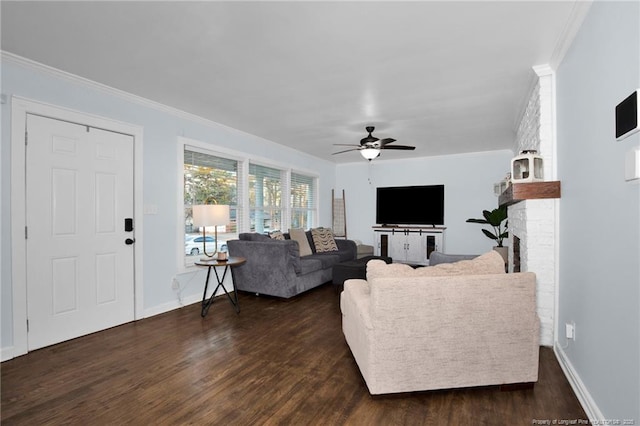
(447, 77)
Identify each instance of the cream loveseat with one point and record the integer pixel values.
(462, 324)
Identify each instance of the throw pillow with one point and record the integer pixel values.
(276, 235)
(298, 235)
(380, 269)
(488, 263)
(323, 240)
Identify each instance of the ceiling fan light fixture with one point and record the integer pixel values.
(370, 153)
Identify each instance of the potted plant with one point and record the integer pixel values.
(496, 218)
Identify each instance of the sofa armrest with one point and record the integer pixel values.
(270, 255)
(349, 246)
(355, 301)
(273, 261)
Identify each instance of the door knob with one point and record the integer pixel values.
(129, 241)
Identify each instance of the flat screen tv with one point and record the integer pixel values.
(410, 205)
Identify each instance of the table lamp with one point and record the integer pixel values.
(210, 215)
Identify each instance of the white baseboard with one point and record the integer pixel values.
(588, 404)
(170, 306)
(6, 354)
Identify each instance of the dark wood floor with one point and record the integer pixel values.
(277, 362)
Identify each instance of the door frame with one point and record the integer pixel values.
(20, 107)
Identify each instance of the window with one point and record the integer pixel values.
(208, 179)
(303, 201)
(261, 197)
(265, 198)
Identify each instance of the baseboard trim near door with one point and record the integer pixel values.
(174, 304)
(7, 353)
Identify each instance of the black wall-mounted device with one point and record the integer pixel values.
(627, 116)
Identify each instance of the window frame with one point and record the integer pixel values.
(315, 210)
(283, 178)
(184, 263)
(243, 223)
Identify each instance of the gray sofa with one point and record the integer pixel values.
(275, 268)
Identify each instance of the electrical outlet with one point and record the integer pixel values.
(175, 284)
(570, 330)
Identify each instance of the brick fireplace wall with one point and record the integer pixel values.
(534, 222)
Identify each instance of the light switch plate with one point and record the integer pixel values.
(150, 209)
(632, 165)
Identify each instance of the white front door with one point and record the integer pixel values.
(79, 191)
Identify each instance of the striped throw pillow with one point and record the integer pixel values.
(323, 240)
(276, 235)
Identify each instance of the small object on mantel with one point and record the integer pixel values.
(529, 191)
(527, 167)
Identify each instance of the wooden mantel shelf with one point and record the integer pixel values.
(529, 191)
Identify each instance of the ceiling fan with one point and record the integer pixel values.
(370, 146)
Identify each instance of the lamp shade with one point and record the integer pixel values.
(370, 153)
(210, 215)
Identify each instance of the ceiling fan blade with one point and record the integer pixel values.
(346, 150)
(346, 144)
(403, 147)
(368, 140)
(385, 141)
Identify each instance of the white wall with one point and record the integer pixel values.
(161, 126)
(600, 214)
(468, 180)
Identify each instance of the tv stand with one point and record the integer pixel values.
(408, 244)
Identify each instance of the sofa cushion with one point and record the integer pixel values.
(323, 240)
(299, 235)
(276, 235)
(327, 259)
(488, 263)
(380, 269)
(310, 240)
(309, 264)
(253, 236)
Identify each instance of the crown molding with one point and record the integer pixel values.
(574, 22)
(76, 79)
(572, 26)
(120, 94)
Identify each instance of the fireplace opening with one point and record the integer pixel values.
(516, 254)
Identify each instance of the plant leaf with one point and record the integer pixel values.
(496, 216)
(484, 222)
(490, 234)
